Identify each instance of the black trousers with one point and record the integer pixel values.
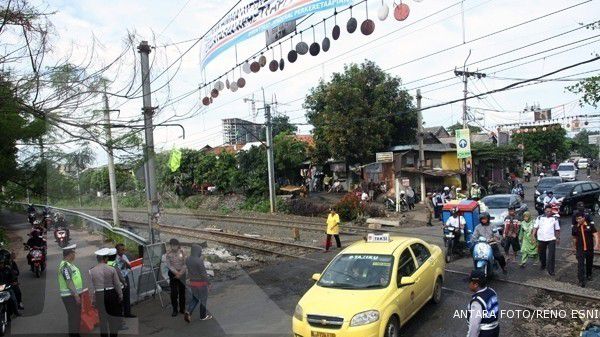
(337, 241)
(18, 293)
(490, 333)
(109, 310)
(438, 212)
(498, 256)
(126, 298)
(73, 315)
(585, 263)
(514, 242)
(177, 293)
(547, 261)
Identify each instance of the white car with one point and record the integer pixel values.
(582, 163)
(567, 171)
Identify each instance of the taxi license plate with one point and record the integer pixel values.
(321, 334)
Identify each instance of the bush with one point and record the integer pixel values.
(194, 201)
(374, 211)
(256, 204)
(349, 207)
(133, 200)
(304, 207)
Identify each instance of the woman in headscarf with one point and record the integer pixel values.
(198, 283)
(528, 241)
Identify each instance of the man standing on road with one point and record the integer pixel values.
(547, 231)
(176, 263)
(585, 241)
(333, 228)
(107, 294)
(484, 309)
(430, 208)
(438, 204)
(511, 233)
(581, 210)
(475, 192)
(124, 267)
(70, 284)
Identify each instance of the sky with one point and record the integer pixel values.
(423, 45)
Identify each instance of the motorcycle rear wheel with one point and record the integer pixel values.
(3, 321)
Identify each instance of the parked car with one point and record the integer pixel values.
(572, 192)
(582, 163)
(567, 171)
(497, 206)
(546, 184)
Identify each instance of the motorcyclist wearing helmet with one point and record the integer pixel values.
(540, 176)
(457, 224)
(549, 199)
(484, 229)
(36, 241)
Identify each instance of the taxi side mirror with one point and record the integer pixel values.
(406, 281)
(316, 277)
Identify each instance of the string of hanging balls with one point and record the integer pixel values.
(258, 61)
(555, 123)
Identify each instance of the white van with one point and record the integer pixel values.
(567, 171)
(582, 163)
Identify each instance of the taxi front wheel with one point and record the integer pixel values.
(436, 298)
(392, 329)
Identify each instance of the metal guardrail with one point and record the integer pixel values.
(96, 222)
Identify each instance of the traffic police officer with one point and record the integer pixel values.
(483, 310)
(70, 284)
(107, 294)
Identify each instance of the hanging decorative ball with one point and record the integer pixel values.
(585, 123)
(568, 125)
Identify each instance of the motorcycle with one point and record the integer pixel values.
(38, 259)
(62, 237)
(4, 307)
(390, 204)
(450, 234)
(483, 257)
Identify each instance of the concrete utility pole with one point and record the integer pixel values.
(149, 167)
(112, 179)
(420, 136)
(270, 159)
(465, 74)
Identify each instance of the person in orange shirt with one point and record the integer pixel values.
(333, 228)
(585, 240)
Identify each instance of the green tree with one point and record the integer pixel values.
(452, 128)
(289, 153)
(581, 144)
(281, 124)
(253, 174)
(359, 112)
(543, 146)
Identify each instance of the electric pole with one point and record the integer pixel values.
(149, 167)
(270, 159)
(420, 135)
(465, 74)
(111, 163)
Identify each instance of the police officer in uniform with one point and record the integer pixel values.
(483, 310)
(107, 294)
(70, 283)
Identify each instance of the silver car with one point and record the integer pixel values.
(497, 206)
(567, 171)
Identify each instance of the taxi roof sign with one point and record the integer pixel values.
(378, 238)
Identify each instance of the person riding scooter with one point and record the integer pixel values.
(484, 229)
(456, 223)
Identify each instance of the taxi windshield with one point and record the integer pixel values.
(358, 271)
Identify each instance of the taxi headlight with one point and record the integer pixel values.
(365, 318)
(298, 313)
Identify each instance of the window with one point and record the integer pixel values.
(578, 189)
(595, 186)
(587, 187)
(406, 264)
(421, 253)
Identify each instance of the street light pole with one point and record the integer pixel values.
(420, 137)
(111, 163)
(270, 156)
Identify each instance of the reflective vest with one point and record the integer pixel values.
(112, 263)
(75, 276)
(488, 299)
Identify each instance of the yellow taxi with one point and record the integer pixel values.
(371, 288)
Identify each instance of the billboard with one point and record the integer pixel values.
(542, 115)
(463, 143)
(252, 17)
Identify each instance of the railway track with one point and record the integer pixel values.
(262, 245)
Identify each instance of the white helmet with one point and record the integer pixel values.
(446, 188)
(541, 174)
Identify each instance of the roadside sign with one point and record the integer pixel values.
(384, 157)
(463, 143)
